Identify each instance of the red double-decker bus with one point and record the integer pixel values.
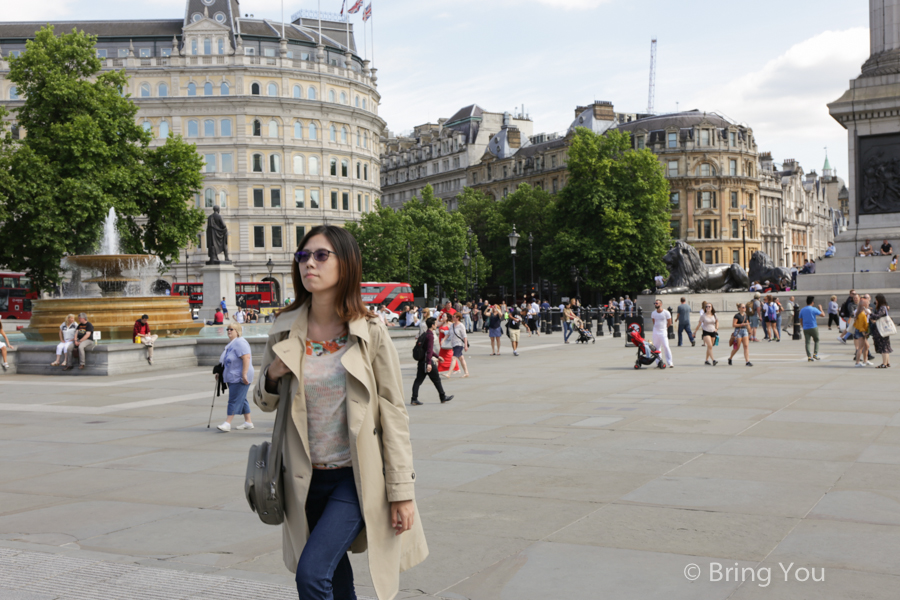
(16, 296)
(248, 294)
(393, 295)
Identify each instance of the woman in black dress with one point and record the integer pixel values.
(882, 344)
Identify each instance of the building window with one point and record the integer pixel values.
(343, 98)
(704, 170)
(676, 229)
(707, 229)
(313, 131)
(220, 17)
(145, 90)
(334, 200)
(359, 203)
(673, 140)
(364, 104)
(268, 51)
(358, 170)
(640, 142)
(732, 167)
(310, 93)
(163, 90)
(250, 51)
(673, 168)
(274, 163)
(298, 130)
(273, 128)
(209, 198)
(706, 199)
(365, 172)
(210, 160)
(313, 165)
(734, 229)
(276, 236)
(331, 95)
(333, 133)
(553, 162)
(298, 164)
(505, 192)
(225, 127)
(365, 139)
(344, 168)
(223, 199)
(272, 90)
(675, 200)
(366, 201)
(704, 137)
(163, 129)
(101, 53)
(254, 89)
(555, 184)
(314, 198)
(275, 197)
(257, 128)
(299, 198)
(734, 200)
(297, 92)
(145, 52)
(259, 236)
(193, 129)
(194, 47)
(750, 202)
(209, 128)
(258, 198)
(228, 163)
(257, 163)
(148, 127)
(345, 201)
(192, 89)
(207, 46)
(300, 232)
(344, 135)
(732, 141)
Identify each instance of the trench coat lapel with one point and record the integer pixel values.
(292, 351)
(354, 362)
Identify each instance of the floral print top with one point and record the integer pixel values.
(325, 386)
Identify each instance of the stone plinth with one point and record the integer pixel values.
(218, 283)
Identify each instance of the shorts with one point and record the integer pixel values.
(741, 332)
(495, 332)
(2, 345)
(514, 335)
(458, 351)
(754, 322)
(858, 335)
(711, 334)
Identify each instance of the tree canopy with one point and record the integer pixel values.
(84, 153)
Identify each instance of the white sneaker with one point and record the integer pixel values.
(860, 365)
(870, 364)
(226, 426)
(6, 365)
(245, 425)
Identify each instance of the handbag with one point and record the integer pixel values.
(886, 326)
(264, 486)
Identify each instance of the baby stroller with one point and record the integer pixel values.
(584, 334)
(647, 354)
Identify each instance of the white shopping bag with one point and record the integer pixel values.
(842, 325)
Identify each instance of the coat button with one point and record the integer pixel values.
(413, 475)
(375, 431)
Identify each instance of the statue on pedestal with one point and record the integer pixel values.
(216, 238)
(688, 274)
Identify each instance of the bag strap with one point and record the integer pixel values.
(278, 432)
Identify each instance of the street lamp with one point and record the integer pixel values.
(466, 261)
(531, 255)
(513, 240)
(469, 235)
(408, 261)
(744, 232)
(577, 281)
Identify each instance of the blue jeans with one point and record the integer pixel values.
(237, 399)
(686, 327)
(332, 510)
(567, 331)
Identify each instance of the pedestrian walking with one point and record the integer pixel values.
(238, 374)
(4, 345)
(861, 332)
(833, 309)
(753, 309)
(467, 316)
(513, 329)
(66, 340)
(459, 341)
(423, 325)
(771, 308)
(445, 356)
(534, 311)
(84, 341)
(348, 464)
(709, 325)
(223, 306)
(662, 320)
(427, 367)
(740, 336)
(142, 335)
(683, 318)
(568, 320)
(808, 316)
(882, 343)
(495, 329)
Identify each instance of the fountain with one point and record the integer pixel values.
(114, 312)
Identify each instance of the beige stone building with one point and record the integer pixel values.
(285, 116)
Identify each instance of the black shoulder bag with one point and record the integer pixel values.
(263, 485)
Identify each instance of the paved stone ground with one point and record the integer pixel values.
(559, 474)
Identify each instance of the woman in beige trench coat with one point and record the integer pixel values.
(349, 478)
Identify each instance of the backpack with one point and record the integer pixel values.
(418, 352)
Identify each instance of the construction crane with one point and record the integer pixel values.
(652, 95)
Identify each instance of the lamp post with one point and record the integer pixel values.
(577, 281)
(744, 232)
(531, 257)
(408, 262)
(270, 266)
(466, 263)
(513, 240)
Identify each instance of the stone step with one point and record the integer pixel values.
(852, 264)
(845, 281)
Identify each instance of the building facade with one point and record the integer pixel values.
(284, 115)
(440, 154)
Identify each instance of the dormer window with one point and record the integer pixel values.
(704, 137)
(196, 17)
(640, 142)
(732, 139)
(220, 17)
(672, 140)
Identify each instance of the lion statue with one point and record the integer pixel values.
(762, 269)
(688, 274)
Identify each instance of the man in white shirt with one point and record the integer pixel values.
(660, 282)
(662, 320)
(534, 312)
(239, 316)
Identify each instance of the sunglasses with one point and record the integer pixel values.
(302, 256)
(229, 329)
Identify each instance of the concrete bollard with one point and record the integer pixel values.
(617, 333)
(796, 334)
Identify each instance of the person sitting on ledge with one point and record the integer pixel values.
(866, 249)
(886, 248)
(142, 335)
(829, 251)
(219, 317)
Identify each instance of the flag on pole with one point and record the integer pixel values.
(367, 14)
(343, 6)
(355, 8)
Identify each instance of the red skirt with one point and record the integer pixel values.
(446, 358)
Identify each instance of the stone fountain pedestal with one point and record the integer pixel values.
(218, 283)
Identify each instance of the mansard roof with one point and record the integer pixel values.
(124, 29)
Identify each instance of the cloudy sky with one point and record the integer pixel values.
(770, 64)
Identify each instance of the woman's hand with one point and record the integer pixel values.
(277, 369)
(402, 516)
(244, 379)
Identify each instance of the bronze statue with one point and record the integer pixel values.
(216, 238)
(688, 274)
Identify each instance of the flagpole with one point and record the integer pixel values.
(347, 16)
(365, 45)
(319, 14)
(282, 19)
(371, 18)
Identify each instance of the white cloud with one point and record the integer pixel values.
(785, 100)
(572, 4)
(46, 10)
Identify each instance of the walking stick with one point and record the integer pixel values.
(215, 389)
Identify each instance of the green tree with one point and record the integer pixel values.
(84, 153)
(613, 215)
(382, 235)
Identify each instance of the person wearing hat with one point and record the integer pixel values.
(143, 336)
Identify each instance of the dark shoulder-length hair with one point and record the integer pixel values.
(880, 301)
(349, 297)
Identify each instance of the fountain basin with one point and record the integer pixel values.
(114, 317)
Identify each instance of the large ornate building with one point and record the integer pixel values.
(285, 116)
